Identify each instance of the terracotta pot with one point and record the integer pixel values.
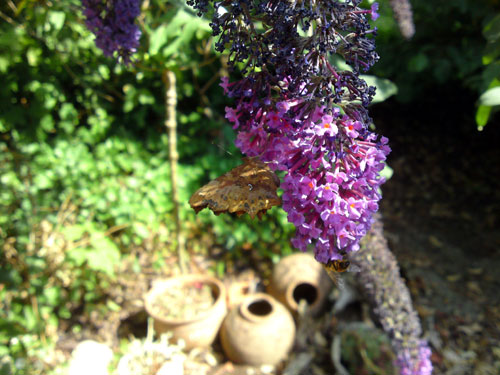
(260, 331)
(299, 276)
(197, 332)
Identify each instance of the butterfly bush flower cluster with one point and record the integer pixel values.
(113, 24)
(332, 163)
(303, 115)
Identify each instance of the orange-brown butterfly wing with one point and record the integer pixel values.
(248, 188)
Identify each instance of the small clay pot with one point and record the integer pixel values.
(299, 276)
(196, 332)
(260, 331)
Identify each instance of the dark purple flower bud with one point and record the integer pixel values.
(295, 42)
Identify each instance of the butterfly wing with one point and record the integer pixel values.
(248, 188)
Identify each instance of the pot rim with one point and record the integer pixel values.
(245, 312)
(160, 285)
(290, 299)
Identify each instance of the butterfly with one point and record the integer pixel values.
(249, 188)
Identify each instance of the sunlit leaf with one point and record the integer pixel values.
(490, 97)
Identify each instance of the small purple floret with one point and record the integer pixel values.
(418, 364)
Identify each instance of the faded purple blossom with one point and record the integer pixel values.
(113, 24)
(404, 17)
(418, 363)
(374, 11)
(380, 280)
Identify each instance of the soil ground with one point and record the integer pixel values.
(441, 213)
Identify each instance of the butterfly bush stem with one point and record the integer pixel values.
(381, 281)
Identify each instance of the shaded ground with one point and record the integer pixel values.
(441, 215)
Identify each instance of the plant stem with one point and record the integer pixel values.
(171, 124)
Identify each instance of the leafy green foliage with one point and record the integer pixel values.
(84, 165)
(445, 51)
(84, 169)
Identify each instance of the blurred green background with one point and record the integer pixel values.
(84, 171)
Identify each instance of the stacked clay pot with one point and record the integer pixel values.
(299, 276)
(260, 331)
(197, 332)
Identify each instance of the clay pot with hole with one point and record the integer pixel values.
(196, 331)
(300, 277)
(260, 331)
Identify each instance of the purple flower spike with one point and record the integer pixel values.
(332, 164)
(304, 116)
(112, 22)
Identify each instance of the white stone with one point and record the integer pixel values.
(90, 357)
(175, 366)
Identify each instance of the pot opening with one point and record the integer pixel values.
(260, 307)
(305, 291)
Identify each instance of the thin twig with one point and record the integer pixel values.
(171, 125)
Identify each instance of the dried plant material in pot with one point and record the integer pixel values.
(200, 324)
(185, 302)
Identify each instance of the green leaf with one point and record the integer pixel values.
(418, 63)
(492, 30)
(183, 28)
(33, 55)
(47, 123)
(104, 255)
(385, 88)
(491, 52)
(113, 306)
(490, 97)
(73, 232)
(52, 295)
(68, 112)
(44, 180)
(482, 116)
(141, 230)
(77, 255)
(158, 38)
(387, 172)
(4, 64)
(56, 19)
(104, 71)
(146, 97)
